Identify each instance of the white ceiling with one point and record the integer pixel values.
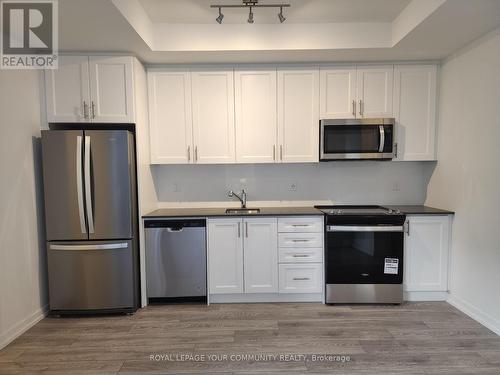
(301, 11)
(431, 33)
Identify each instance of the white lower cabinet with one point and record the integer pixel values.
(301, 278)
(246, 258)
(427, 244)
(225, 256)
(260, 259)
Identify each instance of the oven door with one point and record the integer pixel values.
(369, 139)
(364, 254)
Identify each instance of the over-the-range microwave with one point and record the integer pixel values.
(355, 139)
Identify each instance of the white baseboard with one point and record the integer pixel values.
(480, 316)
(265, 297)
(426, 296)
(17, 330)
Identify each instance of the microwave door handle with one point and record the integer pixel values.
(382, 138)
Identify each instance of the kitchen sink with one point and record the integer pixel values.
(243, 211)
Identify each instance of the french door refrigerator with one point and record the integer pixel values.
(91, 220)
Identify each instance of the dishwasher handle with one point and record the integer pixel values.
(175, 225)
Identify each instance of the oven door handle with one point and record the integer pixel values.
(376, 228)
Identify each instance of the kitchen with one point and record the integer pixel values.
(303, 196)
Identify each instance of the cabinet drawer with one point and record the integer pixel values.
(300, 224)
(300, 239)
(300, 278)
(300, 255)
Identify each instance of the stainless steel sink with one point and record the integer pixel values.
(243, 211)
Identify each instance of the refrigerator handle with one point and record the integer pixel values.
(88, 191)
(79, 184)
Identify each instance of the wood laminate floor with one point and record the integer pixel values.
(415, 338)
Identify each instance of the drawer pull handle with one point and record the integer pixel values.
(301, 278)
(300, 256)
(300, 240)
(300, 225)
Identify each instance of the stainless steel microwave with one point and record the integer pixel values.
(354, 139)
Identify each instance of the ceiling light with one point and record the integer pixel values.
(281, 16)
(251, 4)
(250, 16)
(221, 16)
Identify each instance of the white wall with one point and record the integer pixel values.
(467, 176)
(22, 252)
(359, 182)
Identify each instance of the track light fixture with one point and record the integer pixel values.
(221, 16)
(250, 4)
(281, 16)
(250, 16)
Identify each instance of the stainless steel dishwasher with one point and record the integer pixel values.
(176, 260)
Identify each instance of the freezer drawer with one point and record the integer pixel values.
(91, 275)
(176, 262)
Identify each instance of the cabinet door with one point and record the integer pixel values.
(426, 253)
(170, 123)
(67, 90)
(213, 116)
(111, 89)
(298, 115)
(374, 91)
(415, 111)
(261, 255)
(225, 256)
(338, 92)
(256, 126)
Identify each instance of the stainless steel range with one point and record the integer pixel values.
(363, 254)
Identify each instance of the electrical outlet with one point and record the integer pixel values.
(176, 188)
(395, 186)
(292, 187)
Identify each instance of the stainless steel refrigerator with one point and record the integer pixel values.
(91, 220)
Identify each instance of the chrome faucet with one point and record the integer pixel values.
(242, 197)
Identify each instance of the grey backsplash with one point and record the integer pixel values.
(357, 182)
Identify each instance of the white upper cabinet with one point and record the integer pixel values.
(67, 90)
(256, 122)
(170, 117)
(427, 253)
(91, 89)
(298, 115)
(213, 116)
(374, 91)
(111, 89)
(415, 111)
(338, 92)
(261, 255)
(225, 255)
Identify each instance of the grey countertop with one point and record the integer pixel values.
(419, 210)
(208, 212)
(280, 211)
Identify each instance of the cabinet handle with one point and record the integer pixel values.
(301, 278)
(274, 152)
(189, 154)
(239, 230)
(85, 110)
(281, 152)
(93, 110)
(300, 225)
(396, 149)
(300, 240)
(407, 224)
(300, 256)
(354, 108)
(196, 154)
(246, 229)
(361, 109)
